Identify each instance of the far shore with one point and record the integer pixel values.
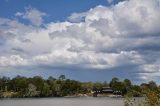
(9, 95)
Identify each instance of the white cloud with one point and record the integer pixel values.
(33, 15)
(102, 38)
(110, 1)
(19, 14)
(77, 17)
(13, 60)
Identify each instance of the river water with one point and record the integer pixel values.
(78, 101)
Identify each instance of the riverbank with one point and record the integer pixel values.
(15, 95)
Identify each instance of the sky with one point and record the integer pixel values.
(87, 40)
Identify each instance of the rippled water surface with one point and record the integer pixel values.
(83, 101)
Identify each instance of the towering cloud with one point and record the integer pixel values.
(123, 35)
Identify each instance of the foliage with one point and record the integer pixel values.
(122, 87)
(152, 98)
(150, 92)
(38, 87)
(31, 90)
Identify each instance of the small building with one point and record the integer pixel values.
(103, 90)
(106, 90)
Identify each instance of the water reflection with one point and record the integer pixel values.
(87, 101)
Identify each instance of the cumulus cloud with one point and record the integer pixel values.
(77, 17)
(122, 35)
(110, 1)
(13, 60)
(33, 15)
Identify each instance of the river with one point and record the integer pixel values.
(78, 101)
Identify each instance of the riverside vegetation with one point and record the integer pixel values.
(22, 87)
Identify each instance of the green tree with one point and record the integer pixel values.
(62, 77)
(52, 85)
(127, 83)
(38, 81)
(32, 90)
(46, 89)
(113, 82)
(117, 85)
(18, 84)
(135, 91)
(152, 85)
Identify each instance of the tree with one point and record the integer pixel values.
(135, 91)
(0, 94)
(38, 82)
(118, 86)
(20, 83)
(152, 85)
(50, 79)
(152, 98)
(127, 83)
(32, 90)
(113, 82)
(105, 84)
(62, 77)
(52, 85)
(4, 83)
(46, 89)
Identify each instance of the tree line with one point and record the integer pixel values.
(37, 86)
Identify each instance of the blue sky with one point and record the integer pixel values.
(87, 40)
(58, 10)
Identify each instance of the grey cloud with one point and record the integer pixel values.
(25, 40)
(18, 50)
